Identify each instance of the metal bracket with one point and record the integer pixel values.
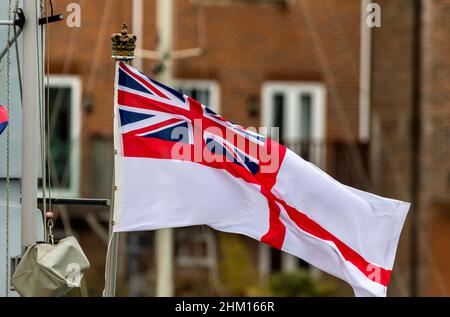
(162, 58)
(180, 54)
(9, 43)
(51, 19)
(20, 21)
(77, 201)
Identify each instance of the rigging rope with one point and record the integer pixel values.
(8, 179)
(8, 64)
(47, 112)
(42, 127)
(16, 46)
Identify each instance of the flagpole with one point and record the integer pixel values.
(365, 74)
(29, 125)
(132, 240)
(164, 237)
(123, 45)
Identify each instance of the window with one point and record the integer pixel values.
(298, 110)
(65, 124)
(204, 91)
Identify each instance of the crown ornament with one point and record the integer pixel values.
(123, 44)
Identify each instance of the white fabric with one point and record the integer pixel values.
(158, 193)
(167, 193)
(367, 223)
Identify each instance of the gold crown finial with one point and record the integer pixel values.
(123, 44)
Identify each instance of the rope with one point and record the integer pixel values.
(108, 287)
(44, 119)
(8, 179)
(51, 122)
(8, 100)
(47, 111)
(42, 128)
(16, 46)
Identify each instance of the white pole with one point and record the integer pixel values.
(365, 74)
(132, 240)
(29, 124)
(138, 30)
(164, 237)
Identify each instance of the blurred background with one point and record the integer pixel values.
(368, 103)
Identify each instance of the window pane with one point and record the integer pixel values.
(278, 115)
(194, 94)
(305, 116)
(60, 137)
(202, 95)
(206, 100)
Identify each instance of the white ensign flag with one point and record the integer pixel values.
(180, 164)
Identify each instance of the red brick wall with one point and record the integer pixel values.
(391, 117)
(391, 142)
(247, 45)
(435, 185)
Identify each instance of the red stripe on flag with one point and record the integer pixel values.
(125, 98)
(373, 272)
(277, 230)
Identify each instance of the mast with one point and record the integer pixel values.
(29, 124)
(365, 74)
(164, 237)
(132, 240)
(138, 29)
(123, 45)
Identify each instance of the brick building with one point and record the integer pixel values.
(264, 63)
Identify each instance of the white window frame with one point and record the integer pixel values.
(292, 90)
(211, 85)
(74, 83)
